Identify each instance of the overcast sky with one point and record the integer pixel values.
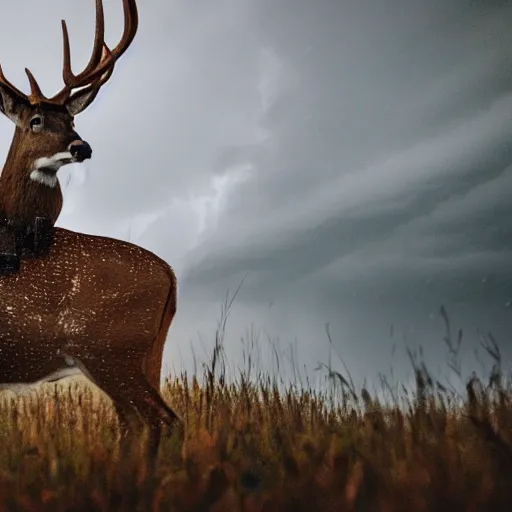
(351, 158)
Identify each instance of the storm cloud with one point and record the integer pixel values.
(351, 160)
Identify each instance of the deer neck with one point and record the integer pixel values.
(23, 198)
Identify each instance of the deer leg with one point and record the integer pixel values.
(154, 411)
(152, 408)
(9, 260)
(131, 392)
(104, 378)
(128, 420)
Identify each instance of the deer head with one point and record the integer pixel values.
(45, 138)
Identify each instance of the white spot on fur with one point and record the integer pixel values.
(75, 282)
(53, 163)
(50, 180)
(71, 323)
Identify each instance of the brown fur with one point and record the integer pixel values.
(153, 361)
(21, 198)
(105, 303)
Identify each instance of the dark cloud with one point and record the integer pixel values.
(382, 186)
(352, 159)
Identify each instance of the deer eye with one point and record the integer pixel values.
(36, 123)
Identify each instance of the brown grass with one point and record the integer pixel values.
(249, 446)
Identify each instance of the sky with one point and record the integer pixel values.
(349, 160)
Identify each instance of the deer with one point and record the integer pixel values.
(99, 304)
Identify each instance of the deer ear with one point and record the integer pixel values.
(11, 104)
(81, 99)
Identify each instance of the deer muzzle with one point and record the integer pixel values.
(80, 150)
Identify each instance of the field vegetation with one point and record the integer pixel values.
(251, 445)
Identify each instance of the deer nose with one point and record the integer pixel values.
(80, 150)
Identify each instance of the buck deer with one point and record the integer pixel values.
(105, 304)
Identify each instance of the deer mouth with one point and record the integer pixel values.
(45, 168)
(53, 163)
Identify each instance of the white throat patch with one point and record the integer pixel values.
(50, 180)
(52, 163)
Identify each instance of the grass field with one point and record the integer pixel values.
(250, 446)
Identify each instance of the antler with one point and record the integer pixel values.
(100, 66)
(9, 85)
(101, 63)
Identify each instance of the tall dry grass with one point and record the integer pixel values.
(250, 445)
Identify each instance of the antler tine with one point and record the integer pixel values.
(99, 38)
(66, 93)
(14, 89)
(36, 93)
(131, 22)
(102, 57)
(106, 76)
